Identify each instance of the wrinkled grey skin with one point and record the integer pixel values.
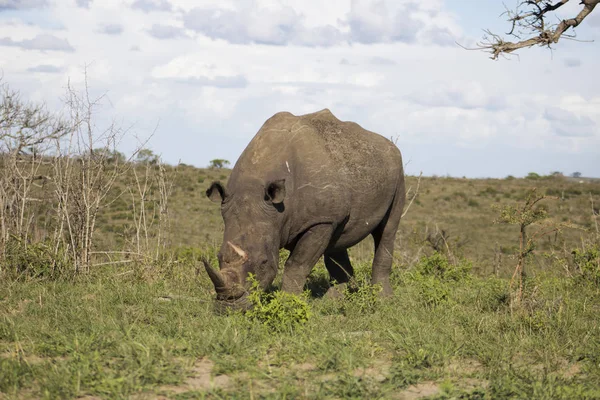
(316, 186)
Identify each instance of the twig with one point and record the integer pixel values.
(594, 216)
(414, 195)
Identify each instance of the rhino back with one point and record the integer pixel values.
(367, 169)
(335, 171)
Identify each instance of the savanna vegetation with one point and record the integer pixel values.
(497, 286)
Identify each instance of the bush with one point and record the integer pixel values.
(435, 276)
(363, 299)
(433, 292)
(34, 260)
(489, 191)
(493, 294)
(533, 176)
(588, 263)
(279, 311)
(438, 266)
(473, 203)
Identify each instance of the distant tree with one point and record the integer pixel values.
(576, 174)
(533, 175)
(218, 163)
(146, 156)
(556, 174)
(533, 24)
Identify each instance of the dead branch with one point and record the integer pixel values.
(595, 214)
(414, 195)
(530, 20)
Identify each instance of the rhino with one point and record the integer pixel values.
(314, 185)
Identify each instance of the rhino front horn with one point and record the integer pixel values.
(215, 275)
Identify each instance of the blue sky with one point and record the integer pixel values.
(204, 75)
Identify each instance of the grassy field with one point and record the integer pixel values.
(149, 330)
(462, 208)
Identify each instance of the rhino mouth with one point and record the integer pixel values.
(239, 304)
(230, 294)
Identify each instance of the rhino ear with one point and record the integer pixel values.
(275, 191)
(216, 192)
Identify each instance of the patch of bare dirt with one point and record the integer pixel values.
(21, 306)
(378, 371)
(304, 367)
(418, 391)
(464, 367)
(201, 379)
(572, 370)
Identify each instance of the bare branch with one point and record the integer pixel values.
(414, 195)
(529, 20)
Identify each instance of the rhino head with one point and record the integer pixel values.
(252, 212)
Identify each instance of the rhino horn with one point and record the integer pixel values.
(239, 252)
(215, 275)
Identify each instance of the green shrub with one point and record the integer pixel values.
(489, 191)
(34, 260)
(473, 203)
(588, 263)
(438, 266)
(492, 294)
(432, 291)
(533, 176)
(435, 277)
(461, 195)
(280, 311)
(363, 299)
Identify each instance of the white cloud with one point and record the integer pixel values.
(572, 62)
(230, 65)
(366, 21)
(273, 25)
(39, 42)
(457, 94)
(152, 5)
(21, 4)
(84, 3)
(568, 123)
(160, 31)
(46, 68)
(111, 29)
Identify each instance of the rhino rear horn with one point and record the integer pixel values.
(238, 250)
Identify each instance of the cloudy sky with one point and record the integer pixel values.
(206, 74)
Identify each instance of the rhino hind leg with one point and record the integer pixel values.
(384, 237)
(338, 265)
(307, 251)
(340, 271)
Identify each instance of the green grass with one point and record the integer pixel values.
(141, 335)
(149, 330)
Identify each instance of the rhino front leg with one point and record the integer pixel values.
(304, 256)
